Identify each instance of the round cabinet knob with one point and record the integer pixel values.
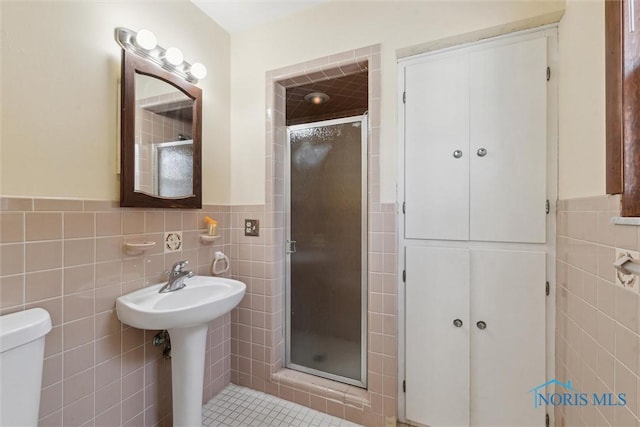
(481, 325)
(482, 152)
(457, 154)
(457, 323)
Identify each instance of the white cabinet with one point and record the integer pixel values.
(475, 144)
(437, 361)
(459, 373)
(478, 127)
(436, 126)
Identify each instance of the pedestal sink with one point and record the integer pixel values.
(186, 314)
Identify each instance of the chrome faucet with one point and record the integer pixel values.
(176, 277)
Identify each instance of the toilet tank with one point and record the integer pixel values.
(21, 360)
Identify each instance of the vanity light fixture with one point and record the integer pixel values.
(174, 56)
(198, 71)
(144, 44)
(146, 39)
(316, 97)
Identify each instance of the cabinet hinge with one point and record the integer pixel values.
(547, 289)
(546, 420)
(404, 276)
(548, 73)
(404, 97)
(404, 207)
(404, 386)
(547, 206)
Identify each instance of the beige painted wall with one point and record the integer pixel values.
(332, 28)
(60, 65)
(58, 91)
(582, 100)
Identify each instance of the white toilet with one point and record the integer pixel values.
(21, 359)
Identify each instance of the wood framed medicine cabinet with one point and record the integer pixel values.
(622, 43)
(161, 132)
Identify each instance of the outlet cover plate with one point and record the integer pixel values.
(628, 281)
(251, 227)
(172, 241)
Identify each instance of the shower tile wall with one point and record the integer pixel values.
(257, 325)
(597, 321)
(67, 257)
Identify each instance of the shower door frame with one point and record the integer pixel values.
(364, 288)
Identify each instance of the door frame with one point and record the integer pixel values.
(364, 250)
(551, 32)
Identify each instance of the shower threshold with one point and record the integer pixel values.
(325, 356)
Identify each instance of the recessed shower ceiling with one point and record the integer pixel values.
(240, 15)
(348, 96)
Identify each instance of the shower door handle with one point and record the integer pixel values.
(291, 246)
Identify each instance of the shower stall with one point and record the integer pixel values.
(326, 268)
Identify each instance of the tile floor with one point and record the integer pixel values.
(237, 406)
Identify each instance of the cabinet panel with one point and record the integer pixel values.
(467, 375)
(437, 352)
(436, 125)
(508, 119)
(508, 357)
(491, 104)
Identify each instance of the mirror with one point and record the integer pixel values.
(161, 143)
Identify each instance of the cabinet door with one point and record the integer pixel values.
(508, 119)
(436, 126)
(508, 356)
(437, 351)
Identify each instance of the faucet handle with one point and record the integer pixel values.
(178, 266)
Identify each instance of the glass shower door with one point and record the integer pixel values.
(326, 262)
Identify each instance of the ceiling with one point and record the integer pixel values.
(348, 96)
(240, 15)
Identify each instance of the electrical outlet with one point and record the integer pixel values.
(172, 241)
(251, 227)
(629, 281)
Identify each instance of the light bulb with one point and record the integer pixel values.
(174, 56)
(146, 39)
(198, 71)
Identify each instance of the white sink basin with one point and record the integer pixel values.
(200, 301)
(186, 314)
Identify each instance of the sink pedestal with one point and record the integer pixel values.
(188, 349)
